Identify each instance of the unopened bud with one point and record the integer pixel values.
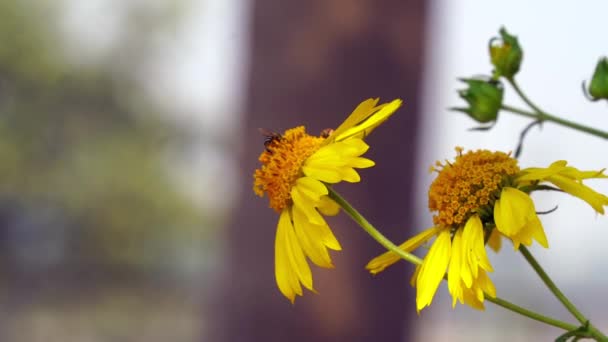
(484, 98)
(505, 54)
(598, 89)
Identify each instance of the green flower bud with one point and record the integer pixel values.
(598, 89)
(484, 98)
(505, 54)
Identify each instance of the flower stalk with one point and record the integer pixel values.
(371, 230)
(542, 116)
(560, 295)
(386, 243)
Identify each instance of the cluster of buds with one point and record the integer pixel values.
(484, 94)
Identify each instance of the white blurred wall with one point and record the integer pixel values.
(562, 41)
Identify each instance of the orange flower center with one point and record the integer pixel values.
(282, 165)
(469, 185)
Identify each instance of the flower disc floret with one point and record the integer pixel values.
(470, 184)
(282, 165)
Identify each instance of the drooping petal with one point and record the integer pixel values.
(475, 251)
(596, 200)
(471, 299)
(379, 263)
(515, 217)
(454, 279)
(328, 206)
(286, 278)
(433, 270)
(495, 241)
(312, 244)
(523, 237)
(486, 284)
(320, 232)
(569, 179)
(476, 294)
(307, 206)
(415, 276)
(538, 232)
(512, 211)
(532, 230)
(296, 257)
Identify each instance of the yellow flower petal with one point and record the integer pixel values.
(512, 211)
(454, 279)
(516, 218)
(541, 173)
(363, 129)
(433, 270)
(320, 232)
(350, 175)
(307, 206)
(286, 278)
(328, 206)
(364, 119)
(415, 276)
(359, 114)
(475, 251)
(312, 244)
(495, 241)
(324, 174)
(360, 163)
(569, 179)
(596, 200)
(296, 257)
(482, 287)
(379, 263)
(532, 230)
(311, 187)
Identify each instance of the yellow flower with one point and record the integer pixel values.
(479, 198)
(296, 168)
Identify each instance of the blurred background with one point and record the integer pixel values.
(128, 139)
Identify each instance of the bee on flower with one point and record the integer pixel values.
(296, 170)
(479, 198)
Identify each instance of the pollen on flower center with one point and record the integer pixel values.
(471, 182)
(282, 165)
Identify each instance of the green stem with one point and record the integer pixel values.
(386, 243)
(559, 294)
(531, 314)
(541, 115)
(523, 96)
(371, 230)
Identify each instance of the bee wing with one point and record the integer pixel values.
(266, 132)
(364, 119)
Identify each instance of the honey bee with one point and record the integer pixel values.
(269, 138)
(326, 132)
